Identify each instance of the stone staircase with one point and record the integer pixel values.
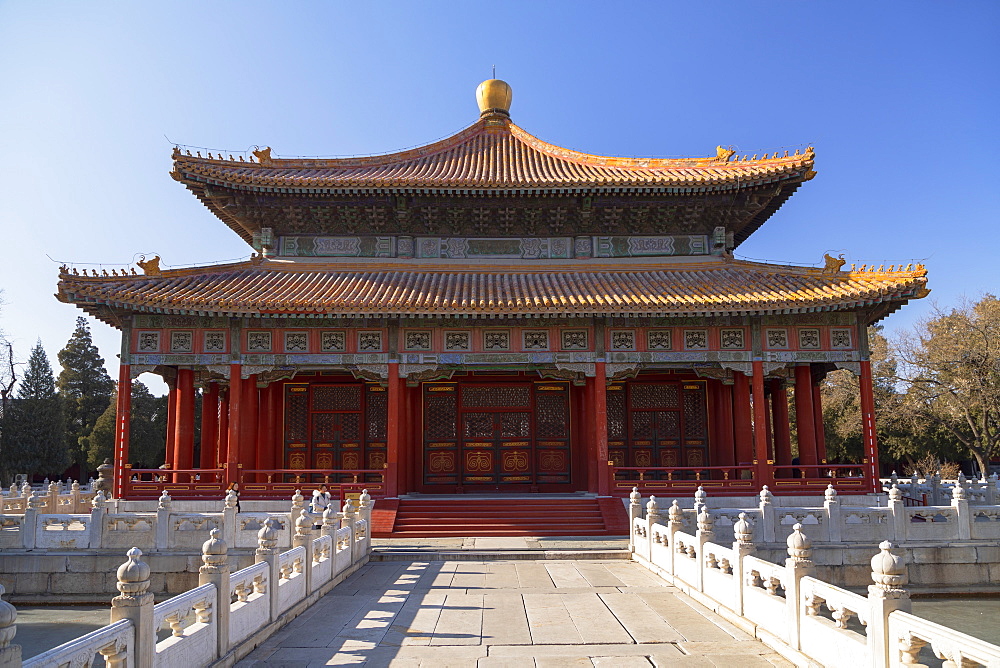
(499, 516)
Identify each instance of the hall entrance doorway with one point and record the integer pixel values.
(496, 435)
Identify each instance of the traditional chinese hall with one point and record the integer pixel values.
(493, 314)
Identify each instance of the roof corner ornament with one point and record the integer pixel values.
(150, 267)
(833, 264)
(263, 155)
(723, 154)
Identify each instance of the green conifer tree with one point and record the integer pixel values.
(34, 424)
(85, 387)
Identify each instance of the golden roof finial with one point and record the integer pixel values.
(494, 97)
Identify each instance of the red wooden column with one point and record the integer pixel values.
(805, 417)
(261, 446)
(868, 425)
(724, 416)
(392, 432)
(266, 420)
(818, 420)
(184, 431)
(742, 421)
(586, 419)
(222, 447)
(600, 405)
(123, 413)
(168, 457)
(233, 449)
(248, 423)
(762, 471)
(782, 430)
(209, 427)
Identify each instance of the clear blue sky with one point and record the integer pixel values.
(900, 100)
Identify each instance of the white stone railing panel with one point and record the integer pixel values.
(125, 530)
(908, 634)
(718, 580)
(826, 612)
(62, 531)
(192, 620)
(292, 585)
(322, 566)
(761, 602)
(862, 525)
(14, 505)
(249, 612)
(10, 531)
(813, 521)
(248, 524)
(931, 523)
(361, 537)
(658, 541)
(188, 530)
(686, 558)
(342, 550)
(114, 639)
(985, 523)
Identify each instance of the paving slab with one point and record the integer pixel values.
(500, 613)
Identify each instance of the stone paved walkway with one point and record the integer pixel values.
(513, 614)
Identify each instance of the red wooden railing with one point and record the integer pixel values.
(254, 483)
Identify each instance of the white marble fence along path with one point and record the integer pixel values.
(797, 614)
(228, 613)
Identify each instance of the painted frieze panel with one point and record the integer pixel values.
(622, 339)
(149, 342)
(369, 341)
(417, 340)
(182, 341)
(808, 338)
(659, 339)
(695, 339)
(732, 339)
(458, 341)
(776, 338)
(840, 338)
(296, 342)
(535, 339)
(258, 341)
(214, 342)
(333, 341)
(575, 339)
(496, 339)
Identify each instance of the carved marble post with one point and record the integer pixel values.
(298, 503)
(885, 596)
(28, 524)
(704, 534)
(365, 509)
(331, 522)
(347, 520)
(267, 551)
(52, 501)
(700, 500)
(163, 521)
(897, 514)
(768, 516)
(304, 537)
(991, 489)
(831, 505)
(215, 570)
(960, 502)
(135, 603)
(634, 513)
(98, 513)
(675, 522)
(74, 495)
(797, 565)
(743, 545)
(229, 520)
(10, 654)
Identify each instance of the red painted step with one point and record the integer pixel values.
(462, 516)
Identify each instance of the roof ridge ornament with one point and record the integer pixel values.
(494, 97)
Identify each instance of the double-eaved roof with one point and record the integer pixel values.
(714, 286)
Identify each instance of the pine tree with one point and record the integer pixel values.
(85, 387)
(34, 425)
